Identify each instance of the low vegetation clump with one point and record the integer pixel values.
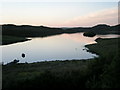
(89, 34)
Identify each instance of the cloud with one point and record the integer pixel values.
(107, 16)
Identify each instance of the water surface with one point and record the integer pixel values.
(59, 47)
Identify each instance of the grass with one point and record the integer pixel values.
(105, 46)
(100, 72)
(105, 70)
(45, 74)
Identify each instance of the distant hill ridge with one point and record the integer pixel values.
(99, 25)
(42, 31)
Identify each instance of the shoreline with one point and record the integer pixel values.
(8, 40)
(91, 73)
(89, 49)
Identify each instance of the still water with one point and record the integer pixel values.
(58, 47)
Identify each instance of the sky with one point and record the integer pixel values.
(60, 0)
(59, 14)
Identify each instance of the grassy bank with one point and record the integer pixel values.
(105, 70)
(105, 47)
(54, 74)
(101, 72)
(12, 39)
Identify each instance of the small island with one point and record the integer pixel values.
(89, 34)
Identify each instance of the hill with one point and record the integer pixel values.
(24, 31)
(42, 31)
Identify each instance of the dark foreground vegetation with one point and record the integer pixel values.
(10, 31)
(100, 72)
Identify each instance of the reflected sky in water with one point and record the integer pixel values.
(59, 47)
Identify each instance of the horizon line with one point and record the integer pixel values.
(57, 26)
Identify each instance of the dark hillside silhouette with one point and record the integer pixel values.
(42, 31)
(18, 33)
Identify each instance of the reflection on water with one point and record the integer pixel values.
(60, 47)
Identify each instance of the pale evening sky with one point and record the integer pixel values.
(59, 14)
